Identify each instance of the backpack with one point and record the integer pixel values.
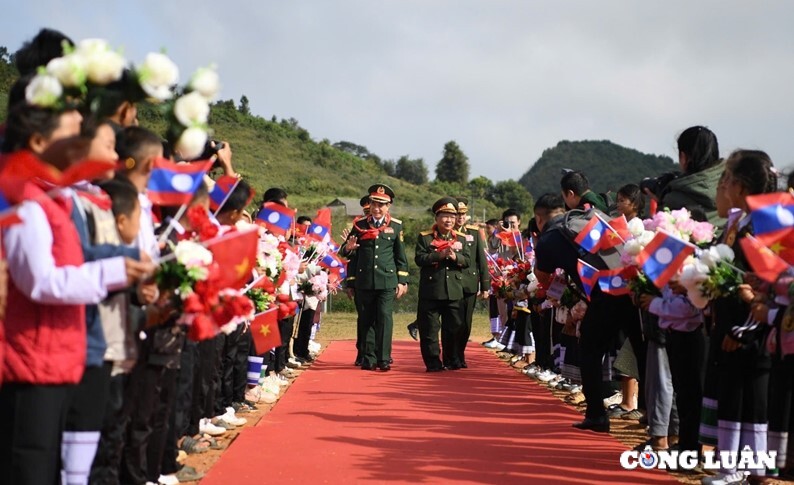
(572, 224)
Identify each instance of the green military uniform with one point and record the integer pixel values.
(379, 264)
(440, 294)
(476, 278)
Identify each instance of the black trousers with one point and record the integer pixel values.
(105, 470)
(184, 423)
(605, 316)
(781, 388)
(33, 418)
(240, 373)
(204, 385)
(686, 352)
(163, 437)
(541, 327)
(467, 314)
(743, 387)
(300, 347)
(88, 400)
(432, 316)
(285, 327)
(140, 404)
(361, 328)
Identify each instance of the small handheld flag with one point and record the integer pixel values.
(264, 330)
(765, 263)
(276, 218)
(617, 233)
(224, 186)
(235, 253)
(663, 256)
(588, 275)
(613, 282)
(321, 225)
(175, 184)
(772, 215)
(591, 235)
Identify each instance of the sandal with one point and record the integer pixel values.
(192, 446)
(636, 414)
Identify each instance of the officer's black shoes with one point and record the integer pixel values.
(435, 369)
(367, 366)
(384, 366)
(464, 365)
(599, 425)
(413, 330)
(453, 366)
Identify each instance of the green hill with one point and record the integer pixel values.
(607, 165)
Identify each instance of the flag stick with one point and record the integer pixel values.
(253, 283)
(170, 227)
(226, 197)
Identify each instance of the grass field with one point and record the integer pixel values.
(342, 326)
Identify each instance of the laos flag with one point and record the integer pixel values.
(663, 256)
(223, 188)
(591, 234)
(772, 215)
(276, 218)
(332, 262)
(175, 183)
(613, 282)
(588, 275)
(321, 225)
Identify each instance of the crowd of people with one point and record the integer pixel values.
(125, 339)
(693, 342)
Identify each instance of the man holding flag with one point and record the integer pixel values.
(376, 251)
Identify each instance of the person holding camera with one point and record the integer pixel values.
(695, 188)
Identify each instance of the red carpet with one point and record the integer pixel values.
(485, 424)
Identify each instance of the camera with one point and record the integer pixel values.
(210, 151)
(656, 185)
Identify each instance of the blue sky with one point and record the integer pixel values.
(505, 79)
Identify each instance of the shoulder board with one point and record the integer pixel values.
(426, 233)
(394, 219)
(472, 228)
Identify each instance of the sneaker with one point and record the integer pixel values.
(293, 363)
(231, 417)
(531, 370)
(724, 478)
(562, 384)
(168, 480)
(271, 385)
(545, 376)
(554, 381)
(220, 421)
(206, 427)
(488, 342)
(616, 398)
(254, 394)
(576, 388)
(314, 346)
(189, 474)
(493, 344)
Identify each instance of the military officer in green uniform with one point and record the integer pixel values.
(476, 279)
(442, 255)
(377, 254)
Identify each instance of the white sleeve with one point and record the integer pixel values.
(33, 271)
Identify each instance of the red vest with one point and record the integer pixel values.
(46, 344)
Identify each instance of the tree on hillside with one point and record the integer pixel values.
(480, 187)
(411, 170)
(509, 193)
(358, 150)
(389, 167)
(454, 166)
(244, 108)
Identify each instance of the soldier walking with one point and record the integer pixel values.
(441, 254)
(376, 251)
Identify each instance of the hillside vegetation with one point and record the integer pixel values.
(607, 165)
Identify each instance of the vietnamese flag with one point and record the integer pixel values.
(264, 330)
(784, 248)
(235, 253)
(617, 233)
(509, 239)
(765, 263)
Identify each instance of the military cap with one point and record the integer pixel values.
(381, 193)
(463, 205)
(447, 205)
(364, 201)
